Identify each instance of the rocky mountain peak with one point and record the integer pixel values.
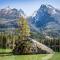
(11, 13)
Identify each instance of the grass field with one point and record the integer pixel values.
(19, 57)
(8, 56)
(5, 50)
(56, 56)
(22, 57)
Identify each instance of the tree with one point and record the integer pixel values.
(24, 28)
(22, 44)
(4, 40)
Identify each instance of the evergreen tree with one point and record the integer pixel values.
(22, 44)
(24, 28)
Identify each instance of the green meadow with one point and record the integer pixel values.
(56, 56)
(9, 56)
(5, 55)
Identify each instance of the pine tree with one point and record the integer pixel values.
(22, 43)
(24, 28)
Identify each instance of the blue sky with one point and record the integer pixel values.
(28, 6)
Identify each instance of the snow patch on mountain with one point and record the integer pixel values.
(11, 13)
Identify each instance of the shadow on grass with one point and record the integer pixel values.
(5, 54)
(11, 54)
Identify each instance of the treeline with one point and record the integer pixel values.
(7, 40)
(52, 43)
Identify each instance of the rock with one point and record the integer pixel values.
(30, 46)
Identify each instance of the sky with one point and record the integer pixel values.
(28, 6)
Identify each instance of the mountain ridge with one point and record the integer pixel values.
(11, 13)
(47, 20)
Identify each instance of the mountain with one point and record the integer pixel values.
(9, 17)
(9, 13)
(47, 20)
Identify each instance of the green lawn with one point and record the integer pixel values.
(56, 56)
